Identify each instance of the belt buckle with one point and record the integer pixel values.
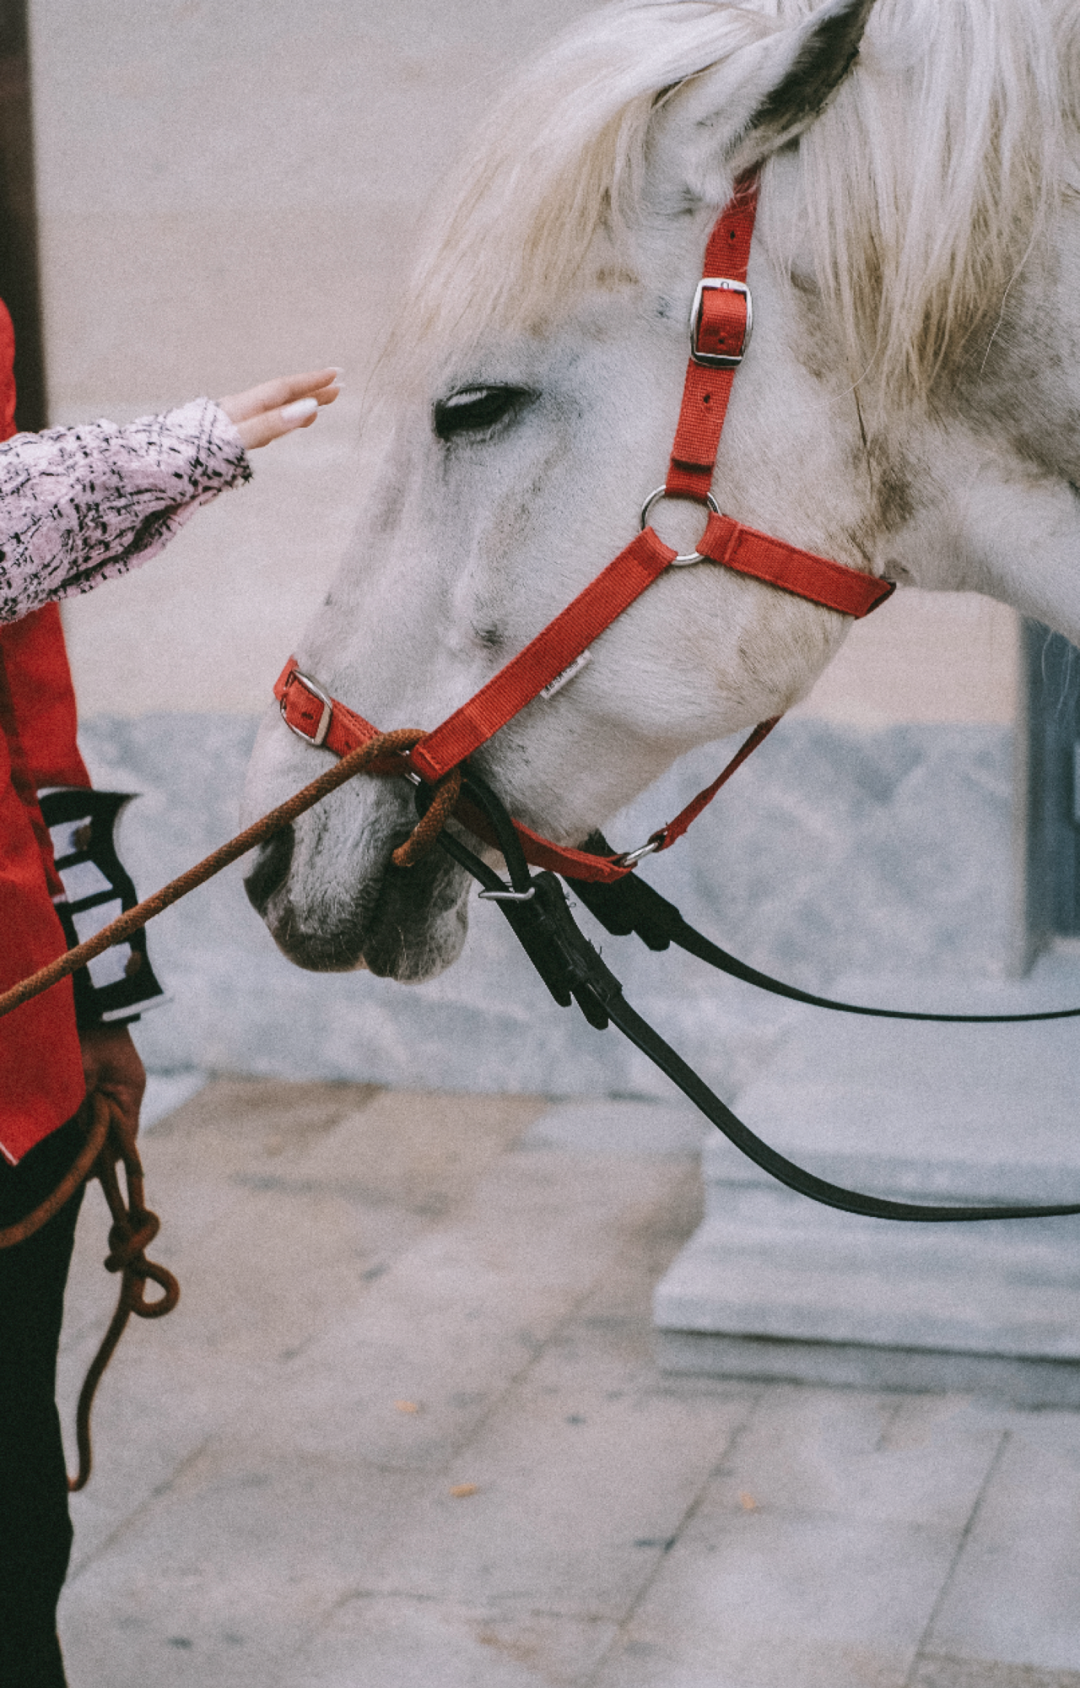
(719, 360)
(317, 737)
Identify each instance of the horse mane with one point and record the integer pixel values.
(925, 182)
(928, 181)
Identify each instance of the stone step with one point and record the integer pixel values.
(772, 1285)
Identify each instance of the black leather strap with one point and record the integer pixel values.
(573, 970)
(632, 906)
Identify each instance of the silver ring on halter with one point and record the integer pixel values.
(653, 498)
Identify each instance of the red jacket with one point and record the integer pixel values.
(41, 1076)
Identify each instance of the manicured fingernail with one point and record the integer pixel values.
(299, 410)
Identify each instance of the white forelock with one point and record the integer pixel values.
(924, 182)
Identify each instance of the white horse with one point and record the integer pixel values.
(910, 406)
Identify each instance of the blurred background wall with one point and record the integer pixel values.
(227, 189)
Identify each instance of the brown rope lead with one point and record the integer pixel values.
(383, 754)
(109, 1140)
(422, 838)
(133, 1228)
(81, 1169)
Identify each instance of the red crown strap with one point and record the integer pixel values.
(722, 330)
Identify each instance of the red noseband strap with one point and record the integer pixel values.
(719, 332)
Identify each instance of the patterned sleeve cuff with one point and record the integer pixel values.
(80, 505)
(202, 432)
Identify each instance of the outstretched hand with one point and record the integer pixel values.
(278, 407)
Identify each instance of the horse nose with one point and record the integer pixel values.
(272, 863)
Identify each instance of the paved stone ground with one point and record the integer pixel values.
(406, 1431)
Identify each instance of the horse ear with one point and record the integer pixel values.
(734, 114)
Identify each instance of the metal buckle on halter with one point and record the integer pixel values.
(316, 691)
(719, 360)
(689, 556)
(630, 858)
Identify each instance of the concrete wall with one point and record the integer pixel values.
(231, 188)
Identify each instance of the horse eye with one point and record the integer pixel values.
(476, 410)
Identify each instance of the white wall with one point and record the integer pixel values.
(230, 188)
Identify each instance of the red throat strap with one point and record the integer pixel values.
(720, 331)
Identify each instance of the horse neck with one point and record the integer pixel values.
(996, 460)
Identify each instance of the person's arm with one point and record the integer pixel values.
(79, 505)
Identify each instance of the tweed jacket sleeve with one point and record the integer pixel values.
(78, 505)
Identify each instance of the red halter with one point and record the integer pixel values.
(720, 327)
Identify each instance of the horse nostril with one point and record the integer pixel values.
(271, 869)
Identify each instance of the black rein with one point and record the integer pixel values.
(536, 907)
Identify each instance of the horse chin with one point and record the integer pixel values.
(411, 927)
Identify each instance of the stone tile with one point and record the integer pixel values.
(232, 1128)
(462, 1312)
(418, 1150)
(620, 1126)
(265, 1512)
(376, 1641)
(1015, 1595)
(961, 1673)
(275, 1232)
(873, 1457)
(772, 1265)
(651, 1239)
(776, 1600)
(159, 1404)
(220, 1579)
(614, 1355)
(580, 1480)
(278, 1266)
(233, 1119)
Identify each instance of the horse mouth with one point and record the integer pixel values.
(399, 923)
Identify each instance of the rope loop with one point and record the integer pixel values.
(133, 1228)
(425, 834)
(128, 1239)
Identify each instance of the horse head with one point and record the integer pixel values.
(527, 407)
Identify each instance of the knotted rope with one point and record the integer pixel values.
(109, 1141)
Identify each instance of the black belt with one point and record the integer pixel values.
(536, 908)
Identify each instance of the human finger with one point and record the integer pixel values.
(282, 391)
(271, 424)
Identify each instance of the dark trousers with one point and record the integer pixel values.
(35, 1527)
